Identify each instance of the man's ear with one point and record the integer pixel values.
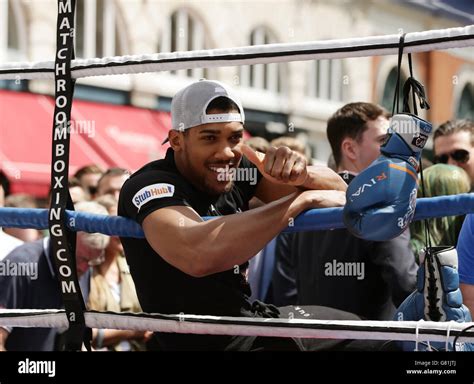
(176, 139)
(349, 149)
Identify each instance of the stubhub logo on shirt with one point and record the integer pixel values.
(150, 192)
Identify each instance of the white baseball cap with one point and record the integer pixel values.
(188, 107)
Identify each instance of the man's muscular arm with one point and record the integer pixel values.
(220, 244)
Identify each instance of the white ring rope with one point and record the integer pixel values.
(448, 332)
(215, 325)
(260, 54)
(417, 334)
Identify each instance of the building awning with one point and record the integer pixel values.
(124, 136)
(102, 134)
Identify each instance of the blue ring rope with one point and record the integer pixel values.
(312, 220)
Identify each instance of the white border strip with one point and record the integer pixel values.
(362, 330)
(260, 54)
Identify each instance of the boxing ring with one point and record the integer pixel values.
(319, 219)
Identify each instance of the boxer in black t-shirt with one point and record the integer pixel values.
(187, 265)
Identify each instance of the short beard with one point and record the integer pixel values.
(208, 189)
(200, 181)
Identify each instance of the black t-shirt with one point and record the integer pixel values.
(161, 287)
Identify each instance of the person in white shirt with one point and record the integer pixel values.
(7, 242)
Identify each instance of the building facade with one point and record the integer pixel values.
(281, 99)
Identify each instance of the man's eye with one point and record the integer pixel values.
(209, 138)
(236, 138)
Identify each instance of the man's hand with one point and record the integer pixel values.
(279, 165)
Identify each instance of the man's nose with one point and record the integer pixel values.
(225, 153)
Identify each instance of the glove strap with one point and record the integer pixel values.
(417, 89)
(396, 96)
(410, 84)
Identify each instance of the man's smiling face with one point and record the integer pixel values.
(207, 153)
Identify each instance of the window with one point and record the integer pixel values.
(466, 103)
(100, 30)
(326, 80)
(101, 95)
(262, 76)
(12, 31)
(389, 91)
(184, 33)
(12, 40)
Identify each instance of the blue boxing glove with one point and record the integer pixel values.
(381, 200)
(437, 296)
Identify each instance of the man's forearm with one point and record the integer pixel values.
(321, 177)
(224, 243)
(200, 248)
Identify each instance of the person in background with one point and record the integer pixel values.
(294, 144)
(261, 145)
(453, 143)
(39, 288)
(4, 188)
(112, 289)
(256, 264)
(22, 200)
(425, 163)
(258, 144)
(440, 180)
(465, 248)
(333, 268)
(111, 182)
(7, 242)
(332, 163)
(262, 265)
(77, 191)
(89, 176)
